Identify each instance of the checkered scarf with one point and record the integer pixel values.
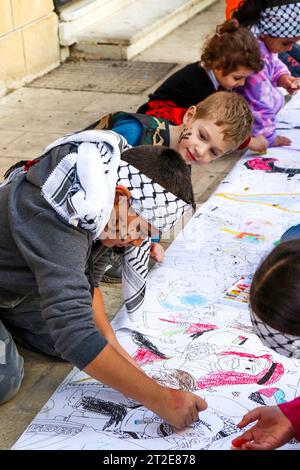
(280, 21)
(282, 343)
(81, 189)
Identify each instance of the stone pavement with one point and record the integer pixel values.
(31, 118)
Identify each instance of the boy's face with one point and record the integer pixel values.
(278, 45)
(233, 79)
(200, 140)
(125, 227)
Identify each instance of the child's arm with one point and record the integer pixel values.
(104, 326)
(177, 407)
(272, 430)
(258, 144)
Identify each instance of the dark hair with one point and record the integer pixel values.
(232, 46)
(275, 290)
(248, 11)
(165, 166)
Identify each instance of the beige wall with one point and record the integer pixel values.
(29, 43)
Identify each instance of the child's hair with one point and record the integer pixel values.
(272, 372)
(165, 166)
(230, 111)
(275, 290)
(232, 46)
(248, 12)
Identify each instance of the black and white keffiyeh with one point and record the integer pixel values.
(81, 189)
(282, 343)
(281, 20)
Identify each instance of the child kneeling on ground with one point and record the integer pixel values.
(58, 215)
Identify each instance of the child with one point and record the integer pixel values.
(276, 320)
(278, 29)
(57, 218)
(292, 58)
(228, 58)
(198, 139)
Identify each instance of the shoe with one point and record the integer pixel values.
(113, 271)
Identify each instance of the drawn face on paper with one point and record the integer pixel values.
(247, 365)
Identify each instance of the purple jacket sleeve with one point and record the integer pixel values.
(291, 410)
(264, 97)
(279, 69)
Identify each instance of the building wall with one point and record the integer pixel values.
(29, 43)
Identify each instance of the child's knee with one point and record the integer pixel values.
(11, 371)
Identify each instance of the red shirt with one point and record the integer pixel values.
(291, 409)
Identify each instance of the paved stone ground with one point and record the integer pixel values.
(30, 118)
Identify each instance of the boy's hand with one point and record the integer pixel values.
(291, 84)
(281, 141)
(157, 252)
(272, 430)
(179, 408)
(258, 144)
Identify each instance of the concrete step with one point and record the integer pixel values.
(75, 17)
(134, 28)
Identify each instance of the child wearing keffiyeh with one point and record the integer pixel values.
(58, 215)
(276, 23)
